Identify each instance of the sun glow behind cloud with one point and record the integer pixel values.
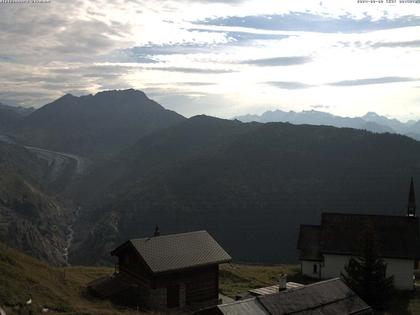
(222, 58)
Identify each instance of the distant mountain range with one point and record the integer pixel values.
(371, 121)
(10, 116)
(249, 184)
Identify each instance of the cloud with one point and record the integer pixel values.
(190, 104)
(213, 1)
(238, 36)
(193, 83)
(166, 49)
(369, 81)
(311, 22)
(230, 47)
(409, 44)
(288, 85)
(318, 107)
(190, 70)
(248, 36)
(278, 61)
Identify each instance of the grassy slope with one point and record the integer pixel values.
(237, 278)
(62, 289)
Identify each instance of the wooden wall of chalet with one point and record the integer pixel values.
(202, 284)
(130, 262)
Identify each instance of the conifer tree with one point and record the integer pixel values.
(366, 274)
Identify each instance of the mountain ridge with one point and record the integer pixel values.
(10, 117)
(232, 178)
(226, 176)
(371, 121)
(95, 125)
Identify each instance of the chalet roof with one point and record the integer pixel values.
(325, 297)
(309, 242)
(179, 251)
(244, 307)
(321, 298)
(396, 236)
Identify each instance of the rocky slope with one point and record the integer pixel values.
(30, 218)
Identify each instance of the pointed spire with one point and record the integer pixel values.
(157, 232)
(411, 206)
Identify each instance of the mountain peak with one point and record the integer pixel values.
(126, 92)
(65, 98)
(68, 96)
(112, 120)
(371, 115)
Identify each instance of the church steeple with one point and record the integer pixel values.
(411, 206)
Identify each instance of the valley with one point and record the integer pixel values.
(197, 157)
(61, 168)
(249, 184)
(62, 290)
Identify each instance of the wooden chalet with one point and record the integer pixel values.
(167, 272)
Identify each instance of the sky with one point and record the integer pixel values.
(220, 58)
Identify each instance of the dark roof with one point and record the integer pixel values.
(339, 233)
(178, 251)
(396, 236)
(244, 307)
(326, 297)
(309, 241)
(321, 298)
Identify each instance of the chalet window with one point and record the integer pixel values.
(315, 268)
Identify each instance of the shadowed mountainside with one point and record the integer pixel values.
(95, 125)
(10, 117)
(250, 185)
(30, 218)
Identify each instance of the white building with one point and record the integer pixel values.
(326, 249)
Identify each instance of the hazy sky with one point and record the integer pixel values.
(221, 58)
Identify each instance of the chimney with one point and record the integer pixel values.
(157, 232)
(282, 282)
